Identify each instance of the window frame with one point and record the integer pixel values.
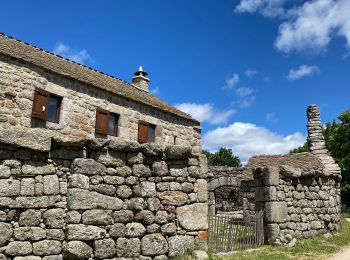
(58, 109)
(116, 124)
(106, 127)
(46, 100)
(147, 124)
(148, 134)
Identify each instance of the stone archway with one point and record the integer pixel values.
(228, 190)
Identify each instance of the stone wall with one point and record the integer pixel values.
(18, 81)
(300, 193)
(230, 190)
(100, 199)
(299, 202)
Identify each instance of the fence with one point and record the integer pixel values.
(227, 233)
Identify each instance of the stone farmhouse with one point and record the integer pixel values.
(43, 90)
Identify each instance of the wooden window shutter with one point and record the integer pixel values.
(143, 132)
(40, 104)
(101, 121)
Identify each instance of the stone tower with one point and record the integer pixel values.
(316, 140)
(140, 79)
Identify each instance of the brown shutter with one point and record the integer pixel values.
(143, 132)
(40, 104)
(101, 121)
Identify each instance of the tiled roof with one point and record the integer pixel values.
(67, 68)
(304, 161)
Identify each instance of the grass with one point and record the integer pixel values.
(306, 249)
(315, 248)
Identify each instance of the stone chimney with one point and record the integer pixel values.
(316, 141)
(140, 79)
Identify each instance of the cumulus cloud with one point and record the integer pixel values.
(308, 25)
(206, 112)
(250, 73)
(312, 26)
(302, 71)
(232, 81)
(246, 140)
(66, 51)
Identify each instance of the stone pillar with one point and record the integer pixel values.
(266, 181)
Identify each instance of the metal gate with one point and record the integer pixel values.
(227, 233)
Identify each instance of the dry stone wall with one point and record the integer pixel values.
(298, 202)
(99, 199)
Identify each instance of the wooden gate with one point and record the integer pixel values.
(227, 233)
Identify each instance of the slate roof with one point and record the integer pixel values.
(304, 161)
(67, 68)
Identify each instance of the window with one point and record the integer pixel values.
(106, 122)
(113, 124)
(147, 132)
(46, 106)
(151, 133)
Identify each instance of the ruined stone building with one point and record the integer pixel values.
(92, 167)
(299, 193)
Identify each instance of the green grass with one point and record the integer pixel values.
(305, 249)
(315, 248)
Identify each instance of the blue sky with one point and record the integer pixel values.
(247, 68)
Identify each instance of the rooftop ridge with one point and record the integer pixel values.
(115, 85)
(63, 58)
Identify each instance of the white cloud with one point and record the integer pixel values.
(268, 8)
(271, 117)
(245, 97)
(250, 73)
(303, 71)
(244, 91)
(246, 140)
(67, 52)
(155, 91)
(206, 112)
(232, 81)
(308, 25)
(246, 101)
(312, 26)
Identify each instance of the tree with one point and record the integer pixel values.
(223, 157)
(301, 149)
(337, 135)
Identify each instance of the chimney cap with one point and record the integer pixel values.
(140, 72)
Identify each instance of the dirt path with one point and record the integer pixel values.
(344, 254)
